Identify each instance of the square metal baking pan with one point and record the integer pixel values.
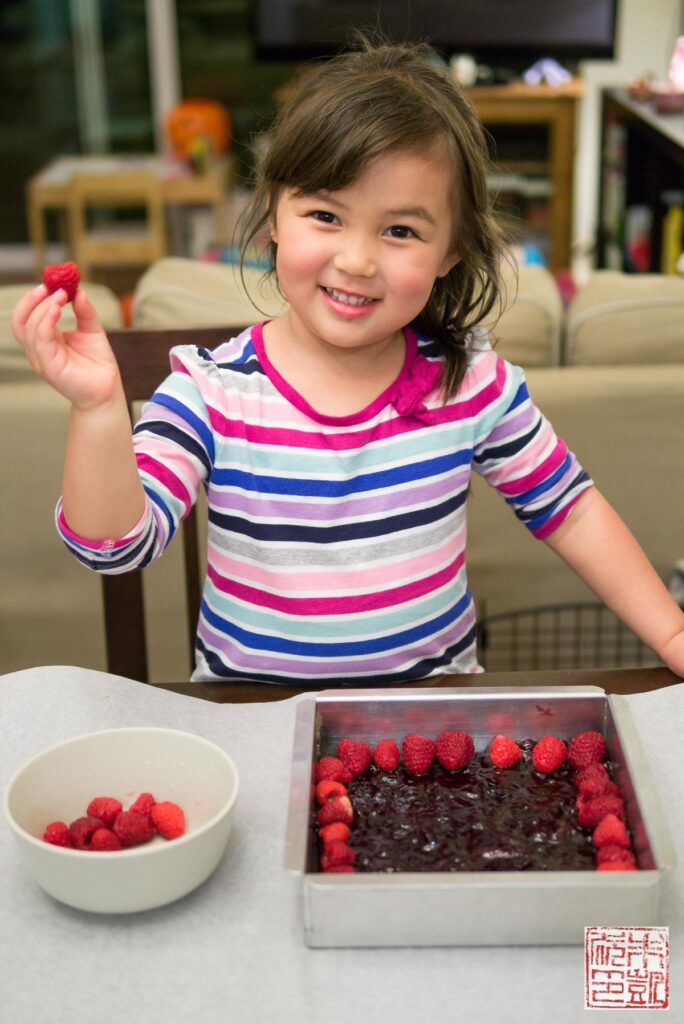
(474, 908)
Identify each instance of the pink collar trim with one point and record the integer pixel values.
(390, 395)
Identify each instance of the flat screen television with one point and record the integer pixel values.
(499, 33)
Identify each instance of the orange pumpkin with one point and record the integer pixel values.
(198, 119)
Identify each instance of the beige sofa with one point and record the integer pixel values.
(626, 423)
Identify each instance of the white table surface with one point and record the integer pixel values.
(233, 952)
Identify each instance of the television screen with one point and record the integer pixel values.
(505, 33)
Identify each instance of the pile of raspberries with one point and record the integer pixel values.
(106, 827)
(600, 807)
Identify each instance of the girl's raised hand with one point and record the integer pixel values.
(79, 364)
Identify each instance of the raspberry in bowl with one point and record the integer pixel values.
(72, 782)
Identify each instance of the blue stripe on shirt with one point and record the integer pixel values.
(322, 488)
(197, 424)
(301, 534)
(334, 649)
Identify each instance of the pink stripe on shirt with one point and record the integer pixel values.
(100, 545)
(165, 476)
(487, 395)
(544, 470)
(350, 605)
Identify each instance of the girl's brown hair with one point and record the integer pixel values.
(386, 97)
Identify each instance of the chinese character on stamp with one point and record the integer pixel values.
(626, 968)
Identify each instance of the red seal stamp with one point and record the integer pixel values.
(626, 968)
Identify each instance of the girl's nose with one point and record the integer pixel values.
(356, 258)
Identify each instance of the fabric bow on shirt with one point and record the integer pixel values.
(410, 392)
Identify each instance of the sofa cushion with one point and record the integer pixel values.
(626, 318)
(183, 292)
(50, 606)
(529, 330)
(13, 363)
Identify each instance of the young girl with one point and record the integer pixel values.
(336, 441)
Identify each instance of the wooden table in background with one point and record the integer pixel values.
(49, 188)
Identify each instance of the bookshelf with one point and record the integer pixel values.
(533, 133)
(641, 194)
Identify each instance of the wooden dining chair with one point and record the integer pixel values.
(116, 220)
(143, 358)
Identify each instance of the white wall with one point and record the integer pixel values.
(647, 31)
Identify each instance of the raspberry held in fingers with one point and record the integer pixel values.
(62, 275)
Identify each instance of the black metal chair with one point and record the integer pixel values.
(562, 636)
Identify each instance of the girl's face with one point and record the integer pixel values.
(359, 264)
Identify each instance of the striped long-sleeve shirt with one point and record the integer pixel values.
(335, 545)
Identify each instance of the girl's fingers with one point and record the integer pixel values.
(58, 298)
(23, 309)
(46, 331)
(41, 326)
(86, 315)
(44, 338)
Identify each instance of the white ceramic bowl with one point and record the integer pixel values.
(58, 784)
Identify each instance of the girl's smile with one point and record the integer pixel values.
(348, 304)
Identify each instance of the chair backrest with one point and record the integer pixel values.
(141, 240)
(143, 358)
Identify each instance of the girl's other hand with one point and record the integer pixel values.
(672, 654)
(79, 364)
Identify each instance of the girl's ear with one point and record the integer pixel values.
(272, 229)
(272, 208)
(448, 263)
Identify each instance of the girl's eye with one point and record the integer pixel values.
(401, 231)
(324, 216)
